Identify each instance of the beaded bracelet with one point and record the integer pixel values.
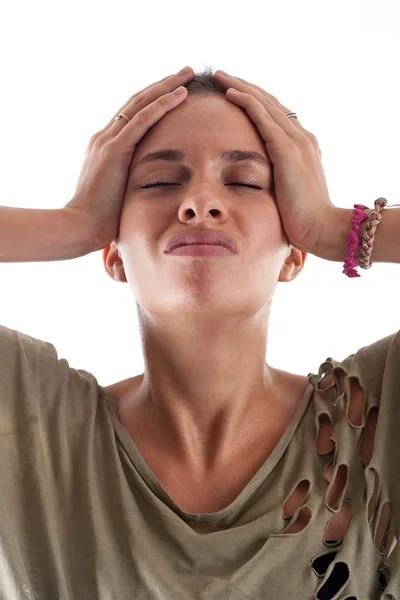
(354, 240)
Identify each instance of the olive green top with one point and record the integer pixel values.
(82, 516)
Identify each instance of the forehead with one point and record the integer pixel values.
(204, 125)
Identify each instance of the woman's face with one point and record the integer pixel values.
(202, 197)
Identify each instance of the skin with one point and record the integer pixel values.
(206, 389)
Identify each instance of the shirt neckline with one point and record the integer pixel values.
(266, 468)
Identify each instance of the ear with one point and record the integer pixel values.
(113, 263)
(294, 263)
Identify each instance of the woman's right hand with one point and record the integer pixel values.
(103, 178)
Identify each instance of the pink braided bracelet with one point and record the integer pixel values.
(354, 240)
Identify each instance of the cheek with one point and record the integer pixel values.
(134, 220)
(268, 227)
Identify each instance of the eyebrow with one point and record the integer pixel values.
(233, 156)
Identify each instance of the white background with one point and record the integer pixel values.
(68, 67)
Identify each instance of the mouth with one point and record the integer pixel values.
(202, 250)
(206, 237)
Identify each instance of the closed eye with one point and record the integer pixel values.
(242, 183)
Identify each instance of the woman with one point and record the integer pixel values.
(211, 474)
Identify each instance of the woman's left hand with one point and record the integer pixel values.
(300, 185)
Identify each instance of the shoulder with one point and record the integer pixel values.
(374, 362)
(18, 347)
(368, 363)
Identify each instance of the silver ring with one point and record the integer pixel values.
(291, 114)
(120, 116)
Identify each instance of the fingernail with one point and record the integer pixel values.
(184, 71)
(179, 90)
(223, 72)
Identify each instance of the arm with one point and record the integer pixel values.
(333, 239)
(34, 235)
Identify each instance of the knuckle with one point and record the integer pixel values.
(100, 141)
(94, 139)
(312, 138)
(107, 149)
(140, 116)
(137, 103)
(306, 144)
(141, 101)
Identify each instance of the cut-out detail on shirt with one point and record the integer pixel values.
(372, 503)
(334, 496)
(296, 499)
(350, 402)
(303, 519)
(337, 526)
(324, 443)
(81, 513)
(335, 583)
(368, 437)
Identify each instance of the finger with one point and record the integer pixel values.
(278, 117)
(153, 91)
(260, 93)
(226, 79)
(269, 129)
(131, 134)
(165, 85)
(267, 116)
(243, 86)
(140, 99)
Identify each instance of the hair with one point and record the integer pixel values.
(205, 83)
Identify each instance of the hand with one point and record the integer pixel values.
(102, 182)
(300, 185)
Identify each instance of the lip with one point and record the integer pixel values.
(188, 238)
(202, 250)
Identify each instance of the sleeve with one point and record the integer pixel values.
(30, 371)
(55, 437)
(36, 386)
(22, 359)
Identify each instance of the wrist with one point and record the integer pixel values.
(82, 230)
(334, 233)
